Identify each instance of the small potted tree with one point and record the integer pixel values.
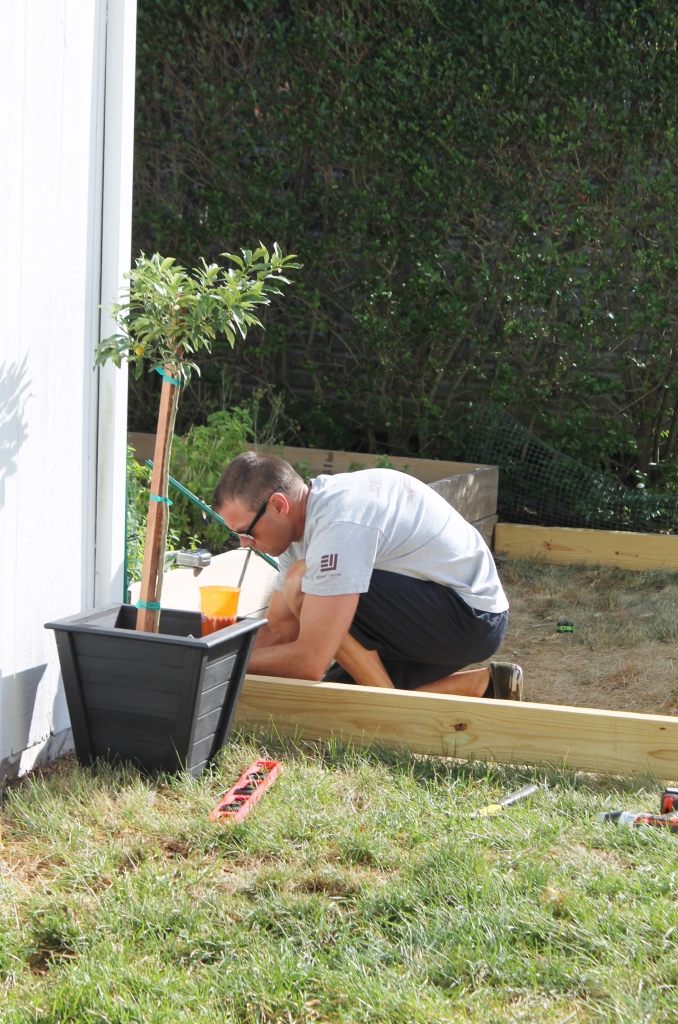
(143, 685)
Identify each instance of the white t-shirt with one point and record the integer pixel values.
(381, 519)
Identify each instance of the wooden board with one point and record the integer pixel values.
(322, 461)
(474, 495)
(485, 528)
(331, 462)
(565, 546)
(429, 723)
(470, 488)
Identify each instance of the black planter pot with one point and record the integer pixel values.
(164, 701)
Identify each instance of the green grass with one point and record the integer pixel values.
(360, 889)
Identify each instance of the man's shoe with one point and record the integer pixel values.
(506, 680)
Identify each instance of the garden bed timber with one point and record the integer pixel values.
(564, 545)
(471, 488)
(507, 732)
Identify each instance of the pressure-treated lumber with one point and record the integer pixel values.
(430, 723)
(473, 495)
(564, 546)
(319, 460)
(143, 445)
(485, 528)
(470, 488)
(322, 461)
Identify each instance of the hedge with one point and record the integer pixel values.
(483, 197)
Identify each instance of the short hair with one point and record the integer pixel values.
(253, 477)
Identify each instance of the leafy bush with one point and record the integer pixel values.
(198, 460)
(483, 196)
(138, 482)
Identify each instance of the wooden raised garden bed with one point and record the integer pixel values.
(503, 731)
(471, 488)
(565, 545)
(163, 701)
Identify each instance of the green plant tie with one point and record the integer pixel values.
(150, 606)
(159, 497)
(166, 376)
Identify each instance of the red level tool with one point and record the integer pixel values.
(250, 787)
(669, 801)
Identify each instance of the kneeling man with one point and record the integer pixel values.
(378, 574)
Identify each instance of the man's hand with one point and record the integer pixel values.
(322, 626)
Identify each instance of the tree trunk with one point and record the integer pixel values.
(148, 618)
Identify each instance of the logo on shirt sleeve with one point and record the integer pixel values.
(328, 563)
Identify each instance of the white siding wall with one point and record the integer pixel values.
(57, 98)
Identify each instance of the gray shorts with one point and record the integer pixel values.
(421, 630)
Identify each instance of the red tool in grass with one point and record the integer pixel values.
(669, 801)
(250, 787)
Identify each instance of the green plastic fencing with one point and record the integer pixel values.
(539, 485)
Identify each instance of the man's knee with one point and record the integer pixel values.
(292, 586)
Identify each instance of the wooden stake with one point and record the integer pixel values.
(148, 619)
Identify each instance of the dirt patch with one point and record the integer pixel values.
(623, 654)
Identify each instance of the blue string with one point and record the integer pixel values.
(159, 497)
(151, 606)
(165, 376)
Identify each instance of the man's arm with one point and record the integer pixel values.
(282, 626)
(323, 625)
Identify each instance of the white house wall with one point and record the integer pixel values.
(116, 212)
(52, 119)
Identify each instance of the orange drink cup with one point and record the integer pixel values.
(218, 608)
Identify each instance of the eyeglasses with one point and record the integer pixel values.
(248, 532)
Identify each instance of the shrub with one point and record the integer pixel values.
(483, 196)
